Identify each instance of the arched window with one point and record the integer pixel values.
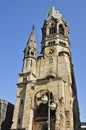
(62, 43)
(28, 52)
(32, 53)
(40, 113)
(51, 43)
(61, 29)
(61, 53)
(52, 30)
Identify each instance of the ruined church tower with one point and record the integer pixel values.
(46, 95)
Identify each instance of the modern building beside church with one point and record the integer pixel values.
(47, 94)
(6, 114)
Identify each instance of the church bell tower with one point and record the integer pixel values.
(46, 95)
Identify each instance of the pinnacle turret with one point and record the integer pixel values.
(32, 39)
(30, 50)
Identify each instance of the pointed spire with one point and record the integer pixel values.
(31, 50)
(32, 39)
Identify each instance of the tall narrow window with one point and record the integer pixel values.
(21, 101)
(51, 43)
(19, 121)
(31, 63)
(52, 30)
(32, 53)
(61, 29)
(28, 52)
(24, 79)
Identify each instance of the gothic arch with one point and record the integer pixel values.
(61, 29)
(41, 110)
(61, 53)
(51, 74)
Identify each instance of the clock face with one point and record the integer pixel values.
(50, 51)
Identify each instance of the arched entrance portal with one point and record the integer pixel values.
(41, 112)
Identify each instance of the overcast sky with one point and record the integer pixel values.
(16, 20)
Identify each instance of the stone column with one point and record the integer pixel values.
(31, 116)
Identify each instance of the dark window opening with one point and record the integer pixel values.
(28, 53)
(48, 43)
(31, 63)
(32, 53)
(51, 43)
(41, 111)
(61, 54)
(21, 102)
(50, 76)
(52, 30)
(62, 44)
(19, 121)
(32, 87)
(61, 29)
(24, 79)
(45, 127)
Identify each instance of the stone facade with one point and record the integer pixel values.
(6, 114)
(50, 76)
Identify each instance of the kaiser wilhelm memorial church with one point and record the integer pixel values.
(46, 90)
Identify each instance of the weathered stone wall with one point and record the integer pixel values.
(6, 114)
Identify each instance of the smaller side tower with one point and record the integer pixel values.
(30, 52)
(29, 62)
(27, 75)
